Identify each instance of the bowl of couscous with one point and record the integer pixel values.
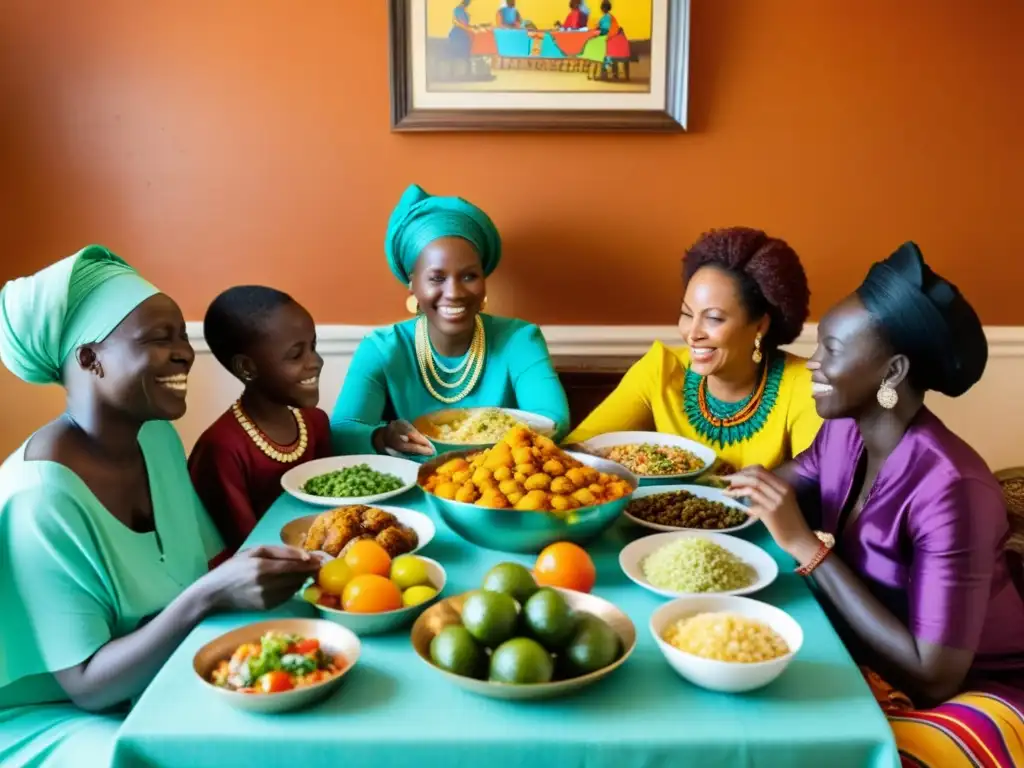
(726, 643)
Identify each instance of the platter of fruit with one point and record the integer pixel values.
(514, 639)
(370, 593)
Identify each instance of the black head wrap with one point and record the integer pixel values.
(927, 319)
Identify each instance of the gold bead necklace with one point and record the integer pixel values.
(474, 363)
(264, 444)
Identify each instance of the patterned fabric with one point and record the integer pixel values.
(975, 729)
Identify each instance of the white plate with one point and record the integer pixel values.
(601, 443)
(632, 555)
(294, 479)
(294, 532)
(711, 494)
(542, 425)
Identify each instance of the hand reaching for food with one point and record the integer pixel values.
(260, 578)
(403, 437)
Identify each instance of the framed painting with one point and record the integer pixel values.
(539, 65)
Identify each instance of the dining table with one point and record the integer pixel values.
(394, 710)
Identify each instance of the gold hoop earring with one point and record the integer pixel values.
(887, 397)
(412, 306)
(757, 357)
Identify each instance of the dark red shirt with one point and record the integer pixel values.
(237, 482)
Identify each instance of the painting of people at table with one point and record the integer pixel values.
(538, 46)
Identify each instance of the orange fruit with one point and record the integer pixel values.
(567, 565)
(367, 556)
(370, 593)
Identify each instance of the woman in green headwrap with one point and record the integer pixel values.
(103, 543)
(450, 354)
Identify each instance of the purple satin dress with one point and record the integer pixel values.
(930, 540)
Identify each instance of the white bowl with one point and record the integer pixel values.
(602, 443)
(293, 533)
(295, 479)
(388, 621)
(542, 425)
(711, 494)
(726, 676)
(333, 638)
(632, 556)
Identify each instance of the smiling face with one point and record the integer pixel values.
(282, 359)
(716, 324)
(851, 361)
(141, 369)
(449, 285)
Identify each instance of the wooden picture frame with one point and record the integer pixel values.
(671, 116)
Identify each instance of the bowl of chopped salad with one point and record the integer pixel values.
(454, 429)
(340, 481)
(652, 456)
(277, 665)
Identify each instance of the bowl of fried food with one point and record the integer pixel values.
(525, 493)
(398, 530)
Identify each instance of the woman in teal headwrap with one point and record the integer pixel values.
(449, 355)
(103, 544)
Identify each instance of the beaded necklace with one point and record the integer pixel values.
(472, 367)
(264, 444)
(723, 423)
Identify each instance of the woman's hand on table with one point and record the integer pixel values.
(403, 437)
(773, 501)
(260, 578)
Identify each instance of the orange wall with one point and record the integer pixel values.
(219, 141)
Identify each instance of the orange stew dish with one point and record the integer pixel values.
(279, 662)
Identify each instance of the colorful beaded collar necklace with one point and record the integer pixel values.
(723, 423)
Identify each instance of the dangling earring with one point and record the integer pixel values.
(412, 306)
(757, 357)
(483, 304)
(887, 397)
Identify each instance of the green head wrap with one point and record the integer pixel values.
(79, 300)
(420, 218)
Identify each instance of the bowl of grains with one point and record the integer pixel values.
(696, 562)
(653, 456)
(728, 644)
(687, 507)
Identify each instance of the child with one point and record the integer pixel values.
(268, 341)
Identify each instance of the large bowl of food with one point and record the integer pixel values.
(525, 493)
(454, 429)
(727, 644)
(697, 562)
(514, 640)
(687, 507)
(398, 530)
(277, 665)
(345, 480)
(652, 456)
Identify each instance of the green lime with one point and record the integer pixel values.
(490, 617)
(549, 619)
(594, 646)
(522, 661)
(513, 579)
(418, 594)
(454, 650)
(409, 571)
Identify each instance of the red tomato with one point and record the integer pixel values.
(276, 682)
(309, 645)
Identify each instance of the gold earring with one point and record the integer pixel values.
(483, 304)
(757, 357)
(887, 397)
(412, 306)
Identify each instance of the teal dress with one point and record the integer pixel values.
(383, 382)
(73, 578)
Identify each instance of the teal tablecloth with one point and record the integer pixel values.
(393, 711)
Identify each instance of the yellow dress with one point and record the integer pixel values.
(659, 393)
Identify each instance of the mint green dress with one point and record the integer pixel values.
(72, 578)
(383, 382)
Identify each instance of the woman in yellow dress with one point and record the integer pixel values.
(730, 387)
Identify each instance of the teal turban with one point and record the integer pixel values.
(420, 219)
(79, 300)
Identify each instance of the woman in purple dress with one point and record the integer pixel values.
(910, 556)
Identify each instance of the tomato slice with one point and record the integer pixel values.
(276, 682)
(309, 645)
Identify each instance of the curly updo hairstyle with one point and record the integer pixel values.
(769, 274)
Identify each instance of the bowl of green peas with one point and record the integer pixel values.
(344, 480)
